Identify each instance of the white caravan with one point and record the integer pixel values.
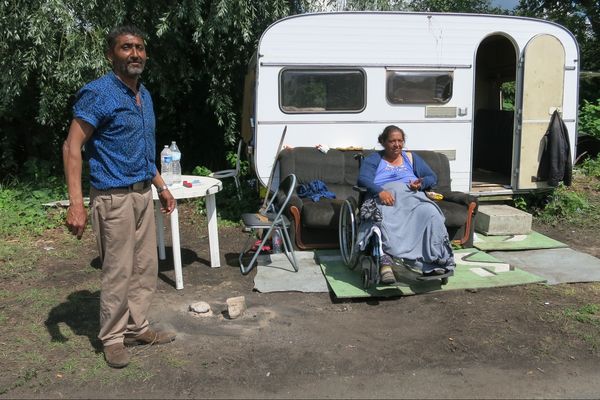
(337, 79)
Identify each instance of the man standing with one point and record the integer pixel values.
(114, 117)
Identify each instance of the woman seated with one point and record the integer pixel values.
(411, 226)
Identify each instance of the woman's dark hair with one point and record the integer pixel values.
(111, 39)
(387, 131)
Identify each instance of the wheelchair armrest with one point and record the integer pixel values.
(460, 198)
(359, 189)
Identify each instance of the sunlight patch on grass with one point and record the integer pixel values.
(18, 260)
(175, 362)
(135, 372)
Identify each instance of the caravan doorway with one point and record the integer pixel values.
(494, 117)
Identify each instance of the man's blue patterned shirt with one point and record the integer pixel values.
(122, 149)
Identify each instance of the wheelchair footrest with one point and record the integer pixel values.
(435, 277)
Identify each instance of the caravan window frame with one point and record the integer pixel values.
(390, 73)
(319, 69)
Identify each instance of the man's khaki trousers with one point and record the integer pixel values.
(124, 226)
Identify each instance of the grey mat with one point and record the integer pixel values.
(274, 273)
(561, 265)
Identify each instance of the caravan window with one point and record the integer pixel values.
(418, 87)
(321, 90)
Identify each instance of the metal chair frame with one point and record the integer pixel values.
(232, 173)
(272, 219)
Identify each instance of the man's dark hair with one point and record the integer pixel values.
(111, 39)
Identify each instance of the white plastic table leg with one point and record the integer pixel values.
(176, 248)
(213, 234)
(160, 231)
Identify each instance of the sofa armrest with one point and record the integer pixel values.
(460, 198)
(295, 201)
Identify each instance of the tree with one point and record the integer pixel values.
(582, 18)
(198, 52)
(462, 6)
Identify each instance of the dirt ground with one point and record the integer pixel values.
(515, 342)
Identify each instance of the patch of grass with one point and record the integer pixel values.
(566, 204)
(590, 167)
(585, 322)
(135, 372)
(39, 301)
(175, 362)
(587, 314)
(22, 211)
(18, 259)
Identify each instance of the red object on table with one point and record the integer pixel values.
(187, 184)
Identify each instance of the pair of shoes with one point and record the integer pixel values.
(116, 355)
(265, 249)
(387, 275)
(149, 337)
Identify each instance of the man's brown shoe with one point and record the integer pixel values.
(116, 355)
(150, 337)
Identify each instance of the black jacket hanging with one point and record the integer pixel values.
(555, 164)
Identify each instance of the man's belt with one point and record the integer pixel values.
(138, 187)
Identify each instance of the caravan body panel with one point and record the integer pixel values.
(375, 44)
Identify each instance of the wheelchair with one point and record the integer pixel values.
(369, 258)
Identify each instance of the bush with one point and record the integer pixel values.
(590, 167)
(564, 204)
(589, 118)
(21, 201)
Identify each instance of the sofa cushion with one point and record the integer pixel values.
(321, 214)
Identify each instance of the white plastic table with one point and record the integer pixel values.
(202, 186)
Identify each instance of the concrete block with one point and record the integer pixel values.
(500, 219)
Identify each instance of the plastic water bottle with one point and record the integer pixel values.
(276, 242)
(176, 154)
(166, 165)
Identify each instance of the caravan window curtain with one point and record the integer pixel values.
(322, 90)
(418, 87)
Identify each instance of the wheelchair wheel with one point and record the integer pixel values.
(348, 231)
(365, 279)
(369, 269)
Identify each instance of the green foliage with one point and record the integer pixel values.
(589, 118)
(590, 167)
(198, 54)
(564, 204)
(582, 18)
(520, 202)
(21, 201)
(465, 6)
(230, 207)
(587, 314)
(201, 171)
(508, 96)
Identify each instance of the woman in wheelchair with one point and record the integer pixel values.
(411, 226)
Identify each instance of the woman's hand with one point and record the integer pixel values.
(387, 199)
(415, 185)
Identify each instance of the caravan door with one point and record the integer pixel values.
(543, 88)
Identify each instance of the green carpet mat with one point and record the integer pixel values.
(475, 269)
(532, 241)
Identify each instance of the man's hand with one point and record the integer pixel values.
(386, 198)
(167, 202)
(76, 220)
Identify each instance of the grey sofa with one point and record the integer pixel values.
(315, 224)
